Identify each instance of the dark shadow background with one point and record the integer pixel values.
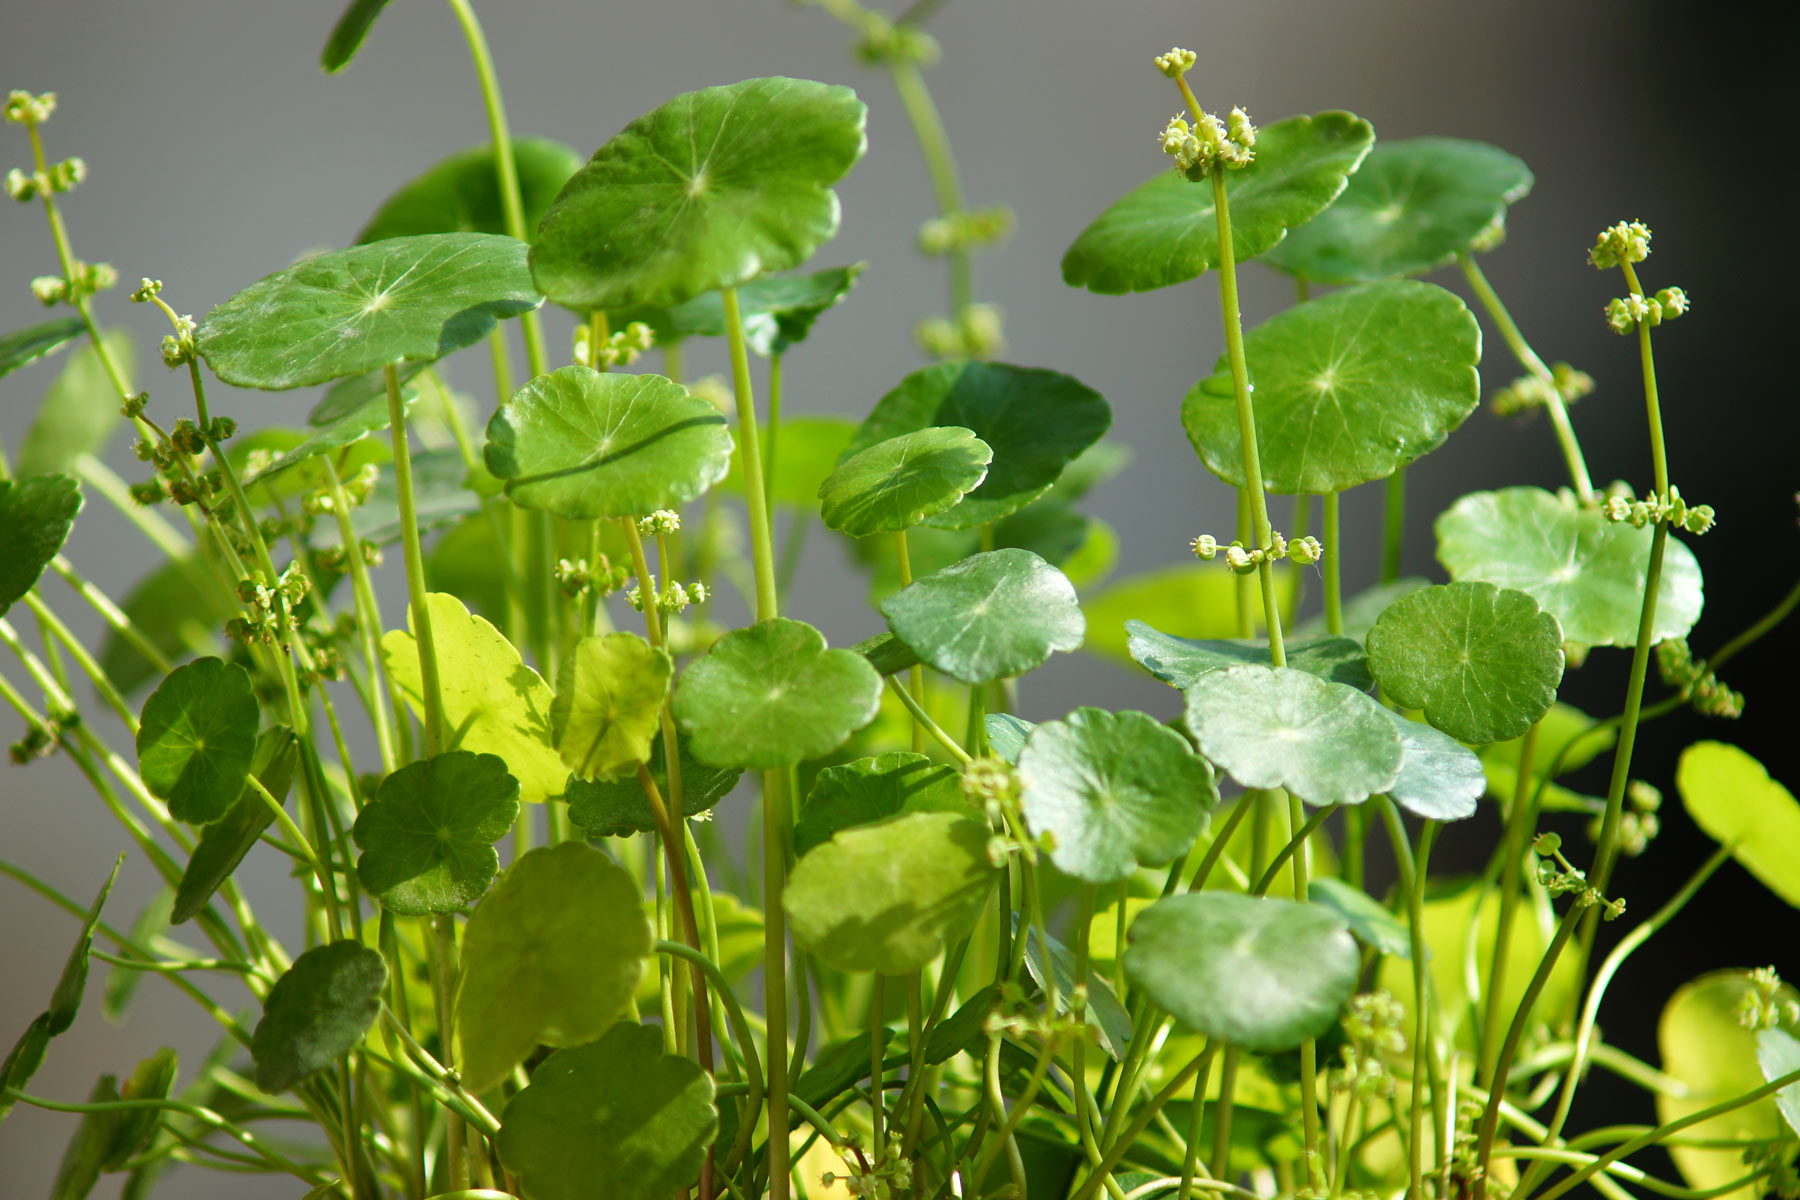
(218, 152)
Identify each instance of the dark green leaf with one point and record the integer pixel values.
(887, 897)
(711, 190)
(350, 394)
(462, 193)
(964, 1029)
(1350, 387)
(609, 696)
(1372, 924)
(777, 310)
(27, 345)
(71, 985)
(224, 843)
(886, 653)
(1440, 778)
(1115, 792)
(427, 839)
(1166, 231)
(35, 518)
(1410, 208)
(992, 616)
(1251, 971)
(1586, 571)
(1482, 662)
(618, 1118)
(1104, 1012)
(197, 739)
(893, 485)
(583, 444)
(318, 1010)
(1007, 735)
(79, 1170)
(79, 413)
(153, 1079)
(618, 808)
(872, 789)
(838, 1067)
(1279, 727)
(1035, 421)
(772, 695)
(22, 1062)
(348, 34)
(351, 311)
(443, 493)
(551, 956)
(1180, 661)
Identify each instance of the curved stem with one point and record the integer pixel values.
(756, 488)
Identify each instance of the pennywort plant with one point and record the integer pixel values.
(960, 954)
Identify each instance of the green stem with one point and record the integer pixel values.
(940, 163)
(931, 727)
(387, 708)
(776, 832)
(1393, 525)
(415, 567)
(770, 451)
(756, 490)
(1412, 883)
(916, 673)
(1521, 819)
(1121, 1146)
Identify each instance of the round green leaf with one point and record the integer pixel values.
(197, 739)
(27, 345)
(551, 957)
(1586, 571)
(318, 1010)
(1281, 728)
(1410, 208)
(462, 193)
(428, 837)
(1730, 796)
(609, 695)
(1482, 662)
(224, 843)
(887, 897)
(1251, 971)
(1440, 778)
(777, 310)
(1007, 735)
(708, 191)
(1350, 387)
(353, 311)
(1036, 422)
(772, 695)
(619, 1119)
(585, 444)
(1373, 924)
(1778, 1054)
(1704, 1045)
(895, 484)
(990, 616)
(1179, 661)
(35, 518)
(1166, 231)
(872, 789)
(493, 702)
(1116, 791)
(618, 807)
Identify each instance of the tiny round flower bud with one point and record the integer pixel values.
(1699, 519)
(1176, 62)
(1206, 547)
(1674, 302)
(1306, 551)
(48, 289)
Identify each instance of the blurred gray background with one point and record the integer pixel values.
(218, 151)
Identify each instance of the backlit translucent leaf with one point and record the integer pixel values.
(427, 839)
(893, 485)
(1440, 778)
(1189, 600)
(1104, 1012)
(344, 429)
(348, 34)
(224, 843)
(619, 1119)
(351, 311)
(1372, 924)
(35, 517)
(1558, 728)
(887, 897)
(1268, 728)
(1778, 1054)
(1482, 662)
(773, 695)
(551, 956)
(493, 702)
(1007, 734)
(1251, 971)
(1350, 387)
(776, 310)
(79, 413)
(1363, 609)
(1410, 208)
(197, 739)
(27, 345)
(618, 807)
(1730, 796)
(583, 444)
(355, 391)
(809, 449)
(319, 1008)
(1166, 231)
(608, 696)
(711, 190)
(991, 616)
(1586, 571)
(1084, 548)
(461, 194)
(872, 789)
(1704, 1045)
(1116, 791)
(1180, 661)
(1035, 421)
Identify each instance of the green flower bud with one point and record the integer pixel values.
(1699, 519)
(1626, 242)
(147, 288)
(1180, 143)
(662, 521)
(1306, 551)
(22, 187)
(23, 108)
(49, 289)
(1205, 547)
(65, 175)
(1176, 63)
(1674, 302)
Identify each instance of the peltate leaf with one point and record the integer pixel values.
(1192, 600)
(224, 843)
(1007, 735)
(1104, 1012)
(893, 485)
(1778, 1054)
(873, 789)
(618, 808)
(196, 739)
(428, 837)
(990, 616)
(318, 1010)
(35, 517)
(1730, 796)
(462, 193)
(551, 956)
(1361, 611)
(609, 694)
(777, 310)
(1440, 778)
(1373, 925)
(1179, 661)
